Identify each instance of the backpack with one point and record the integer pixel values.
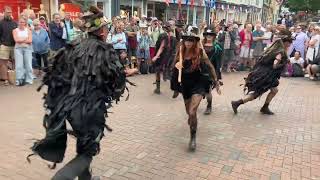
(144, 67)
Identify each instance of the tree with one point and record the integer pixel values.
(303, 5)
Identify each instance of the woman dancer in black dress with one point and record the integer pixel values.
(214, 52)
(197, 75)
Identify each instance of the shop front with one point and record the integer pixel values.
(20, 6)
(192, 15)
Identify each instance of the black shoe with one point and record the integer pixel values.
(192, 143)
(175, 94)
(157, 90)
(208, 111)
(265, 110)
(235, 105)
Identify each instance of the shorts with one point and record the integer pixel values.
(245, 52)
(6, 52)
(143, 54)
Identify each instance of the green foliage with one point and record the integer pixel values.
(303, 5)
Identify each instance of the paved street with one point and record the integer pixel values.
(150, 136)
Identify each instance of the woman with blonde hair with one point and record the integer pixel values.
(23, 53)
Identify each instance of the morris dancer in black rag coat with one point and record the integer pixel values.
(85, 78)
(165, 50)
(266, 73)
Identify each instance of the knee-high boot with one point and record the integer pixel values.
(192, 143)
(157, 90)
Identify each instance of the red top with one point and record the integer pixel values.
(242, 38)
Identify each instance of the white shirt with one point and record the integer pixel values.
(299, 61)
(317, 38)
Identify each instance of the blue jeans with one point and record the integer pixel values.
(23, 61)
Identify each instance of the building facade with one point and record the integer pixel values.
(241, 11)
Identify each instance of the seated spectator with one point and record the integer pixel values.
(314, 68)
(126, 63)
(297, 63)
(40, 43)
(297, 59)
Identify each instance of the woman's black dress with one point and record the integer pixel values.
(195, 81)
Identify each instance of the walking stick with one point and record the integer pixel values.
(180, 63)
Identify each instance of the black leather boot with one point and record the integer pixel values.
(157, 90)
(192, 143)
(208, 110)
(175, 94)
(265, 109)
(235, 105)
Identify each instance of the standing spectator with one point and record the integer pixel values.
(119, 40)
(77, 33)
(310, 30)
(267, 36)
(1, 16)
(68, 25)
(40, 43)
(257, 44)
(6, 43)
(316, 36)
(144, 42)
(43, 23)
(23, 53)
(31, 17)
(56, 33)
(227, 40)
(300, 42)
(132, 30)
(245, 46)
(154, 31)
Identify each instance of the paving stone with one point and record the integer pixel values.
(150, 135)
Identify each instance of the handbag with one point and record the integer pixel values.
(12, 76)
(297, 70)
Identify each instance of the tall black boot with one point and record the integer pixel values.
(265, 109)
(192, 143)
(175, 94)
(77, 167)
(235, 105)
(208, 110)
(157, 90)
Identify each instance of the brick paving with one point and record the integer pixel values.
(150, 137)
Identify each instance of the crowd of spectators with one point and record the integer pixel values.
(30, 41)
